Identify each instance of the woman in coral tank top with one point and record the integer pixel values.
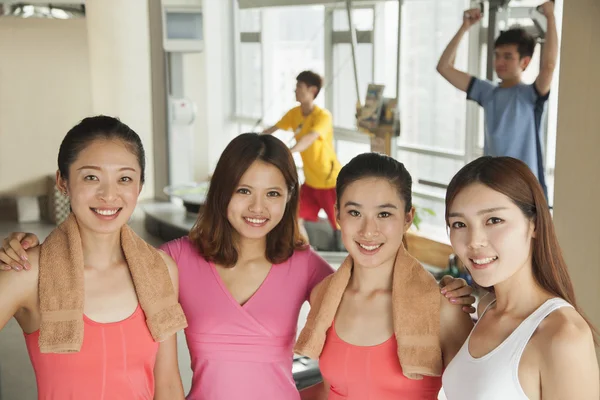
(367, 354)
(101, 169)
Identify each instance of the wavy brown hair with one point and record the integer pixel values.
(213, 235)
(514, 179)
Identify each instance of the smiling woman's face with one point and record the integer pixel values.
(490, 234)
(103, 185)
(259, 201)
(372, 221)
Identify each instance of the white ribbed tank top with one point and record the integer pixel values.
(495, 376)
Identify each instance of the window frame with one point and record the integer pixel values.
(477, 40)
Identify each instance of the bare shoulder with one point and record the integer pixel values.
(567, 357)
(564, 332)
(453, 314)
(32, 275)
(171, 264)
(33, 256)
(172, 267)
(22, 287)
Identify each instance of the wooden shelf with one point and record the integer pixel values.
(428, 251)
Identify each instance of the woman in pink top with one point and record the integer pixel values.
(244, 273)
(101, 169)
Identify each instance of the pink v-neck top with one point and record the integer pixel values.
(243, 351)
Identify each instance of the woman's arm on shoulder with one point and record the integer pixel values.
(569, 368)
(455, 326)
(166, 369)
(19, 291)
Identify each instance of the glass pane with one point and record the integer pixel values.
(247, 128)
(293, 41)
(525, 3)
(433, 226)
(387, 63)
(432, 110)
(362, 19)
(344, 90)
(249, 20)
(347, 150)
(427, 171)
(249, 91)
(186, 26)
(483, 69)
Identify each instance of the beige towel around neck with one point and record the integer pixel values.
(61, 288)
(416, 313)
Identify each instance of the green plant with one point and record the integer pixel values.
(419, 211)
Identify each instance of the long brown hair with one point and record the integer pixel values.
(514, 179)
(213, 235)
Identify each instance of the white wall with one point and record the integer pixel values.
(577, 194)
(44, 91)
(217, 127)
(194, 78)
(54, 73)
(119, 52)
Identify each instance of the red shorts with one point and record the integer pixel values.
(313, 200)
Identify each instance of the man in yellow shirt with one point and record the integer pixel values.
(313, 131)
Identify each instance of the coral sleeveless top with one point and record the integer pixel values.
(116, 362)
(370, 372)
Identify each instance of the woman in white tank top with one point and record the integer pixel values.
(531, 341)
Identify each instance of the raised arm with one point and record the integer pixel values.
(550, 54)
(445, 67)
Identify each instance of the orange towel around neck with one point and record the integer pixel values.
(416, 313)
(61, 288)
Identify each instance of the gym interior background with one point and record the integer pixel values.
(189, 75)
